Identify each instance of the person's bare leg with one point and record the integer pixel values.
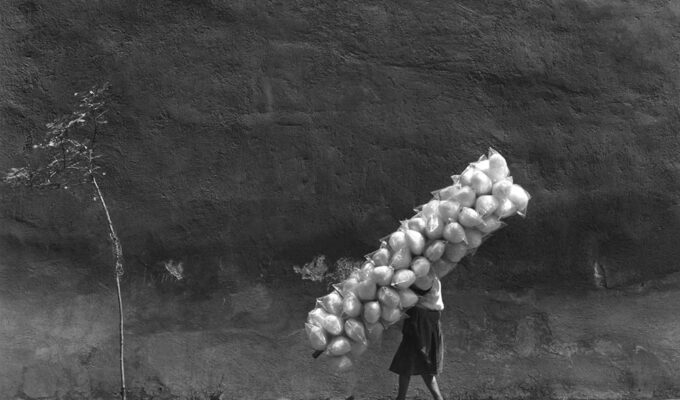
(431, 383)
(403, 386)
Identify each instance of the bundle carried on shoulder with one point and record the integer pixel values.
(452, 225)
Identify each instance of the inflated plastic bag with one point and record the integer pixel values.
(420, 266)
(498, 167)
(491, 224)
(317, 316)
(480, 183)
(431, 208)
(520, 198)
(390, 315)
(434, 226)
(397, 240)
(317, 336)
(354, 330)
(332, 303)
(435, 250)
(453, 232)
(366, 290)
(465, 178)
(341, 363)
(351, 306)
(366, 270)
(358, 348)
(486, 205)
(388, 297)
(455, 251)
(464, 195)
(446, 193)
(375, 331)
(417, 223)
(403, 278)
(474, 238)
(381, 256)
(407, 298)
(372, 312)
(332, 324)
(401, 258)
(506, 208)
(501, 189)
(383, 275)
(448, 210)
(348, 285)
(469, 218)
(338, 346)
(415, 241)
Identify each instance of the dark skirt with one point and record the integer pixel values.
(421, 351)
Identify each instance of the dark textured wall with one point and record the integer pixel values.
(248, 136)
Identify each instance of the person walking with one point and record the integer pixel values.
(421, 351)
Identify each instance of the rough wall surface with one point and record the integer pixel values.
(248, 136)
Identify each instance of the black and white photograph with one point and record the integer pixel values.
(339, 200)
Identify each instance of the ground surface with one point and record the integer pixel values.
(249, 136)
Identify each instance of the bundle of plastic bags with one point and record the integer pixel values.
(453, 224)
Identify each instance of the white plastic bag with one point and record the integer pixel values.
(366, 289)
(486, 205)
(491, 224)
(401, 258)
(317, 336)
(338, 346)
(520, 198)
(501, 189)
(455, 251)
(354, 330)
(381, 256)
(474, 238)
(417, 223)
(420, 266)
(388, 297)
(332, 303)
(448, 210)
(383, 275)
(464, 195)
(415, 241)
(317, 316)
(469, 218)
(397, 240)
(341, 363)
(435, 250)
(332, 324)
(506, 208)
(351, 306)
(407, 298)
(434, 226)
(372, 312)
(390, 315)
(453, 232)
(480, 183)
(403, 278)
(498, 167)
(358, 348)
(348, 285)
(375, 331)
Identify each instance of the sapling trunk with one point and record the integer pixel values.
(118, 259)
